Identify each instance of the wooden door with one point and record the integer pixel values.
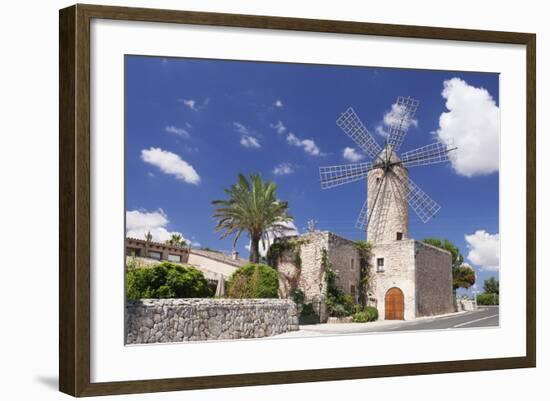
(394, 304)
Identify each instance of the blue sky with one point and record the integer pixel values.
(193, 125)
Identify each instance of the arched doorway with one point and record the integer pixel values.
(394, 304)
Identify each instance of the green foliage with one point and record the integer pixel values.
(338, 303)
(253, 281)
(360, 317)
(282, 245)
(133, 262)
(251, 206)
(372, 312)
(365, 253)
(298, 296)
(457, 258)
(491, 285)
(463, 277)
(166, 280)
(177, 241)
(487, 299)
(308, 315)
(368, 314)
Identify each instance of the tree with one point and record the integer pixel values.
(176, 240)
(251, 206)
(166, 280)
(253, 281)
(463, 275)
(490, 286)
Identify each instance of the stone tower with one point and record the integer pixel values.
(387, 192)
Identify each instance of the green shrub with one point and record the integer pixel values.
(308, 315)
(368, 314)
(166, 280)
(372, 313)
(487, 299)
(253, 281)
(360, 317)
(297, 296)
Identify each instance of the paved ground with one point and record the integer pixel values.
(485, 316)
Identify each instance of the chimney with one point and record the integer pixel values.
(234, 255)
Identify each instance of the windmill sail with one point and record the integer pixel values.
(430, 154)
(333, 176)
(424, 206)
(403, 113)
(350, 123)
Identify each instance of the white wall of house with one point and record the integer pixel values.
(214, 266)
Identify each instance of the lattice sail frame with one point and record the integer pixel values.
(406, 107)
(333, 176)
(352, 125)
(433, 153)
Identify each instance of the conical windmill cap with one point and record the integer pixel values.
(393, 157)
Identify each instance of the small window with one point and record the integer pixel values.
(399, 236)
(352, 291)
(154, 255)
(174, 258)
(378, 180)
(352, 264)
(380, 264)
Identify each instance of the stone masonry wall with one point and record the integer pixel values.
(194, 319)
(344, 257)
(310, 277)
(434, 281)
(399, 271)
(388, 194)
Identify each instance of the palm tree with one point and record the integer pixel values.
(176, 240)
(251, 206)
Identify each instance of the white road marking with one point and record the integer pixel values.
(474, 321)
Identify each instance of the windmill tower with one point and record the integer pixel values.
(390, 190)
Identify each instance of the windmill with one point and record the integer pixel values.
(390, 190)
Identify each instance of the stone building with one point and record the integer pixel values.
(409, 278)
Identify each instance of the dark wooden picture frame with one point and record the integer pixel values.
(74, 202)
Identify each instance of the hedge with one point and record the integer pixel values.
(166, 280)
(253, 281)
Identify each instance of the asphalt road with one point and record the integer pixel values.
(485, 316)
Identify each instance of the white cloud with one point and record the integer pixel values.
(381, 130)
(352, 155)
(279, 127)
(241, 128)
(250, 142)
(393, 117)
(308, 145)
(283, 169)
(191, 103)
(140, 222)
(194, 105)
(472, 124)
(278, 103)
(484, 250)
(182, 132)
(171, 163)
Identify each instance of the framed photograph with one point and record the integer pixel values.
(250, 200)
